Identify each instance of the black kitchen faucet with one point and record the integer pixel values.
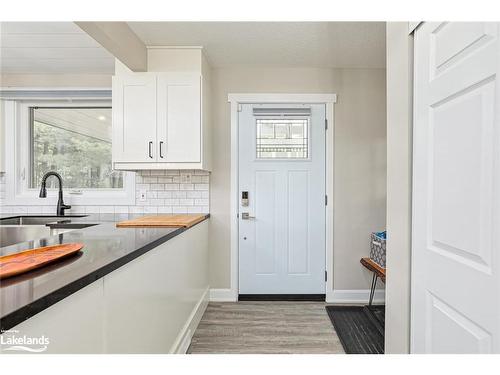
(60, 202)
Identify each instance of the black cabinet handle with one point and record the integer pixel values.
(151, 149)
(161, 154)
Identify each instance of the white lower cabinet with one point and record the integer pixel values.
(152, 304)
(73, 325)
(150, 300)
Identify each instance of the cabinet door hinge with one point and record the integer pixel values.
(326, 275)
(326, 200)
(326, 124)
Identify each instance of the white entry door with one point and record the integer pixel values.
(282, 199)
(456, 189)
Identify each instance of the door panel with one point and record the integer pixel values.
(179, 117)
(452, 332)
(282, 245)
(298, 222)
(134, 118)
(265, 227)
(456, 189)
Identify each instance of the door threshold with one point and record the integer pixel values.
(282, 297)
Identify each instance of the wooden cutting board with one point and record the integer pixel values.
(18, 263)
(162, 221)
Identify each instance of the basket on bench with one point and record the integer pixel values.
(377, 248)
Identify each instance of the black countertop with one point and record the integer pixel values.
(106, 249)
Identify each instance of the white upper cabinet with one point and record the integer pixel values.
(134, 118)
(158, 121)
(179, 117)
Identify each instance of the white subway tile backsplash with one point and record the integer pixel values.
(157, 186)
(150, 210)
(171, 187)
(150, 180)
(201, 186)
(193, 194)
(165, 180)
(201, 202)
(158, 173)
(172, 202)
(156, 202)
(179, 194)
(77, 209)
(166, 192)
(151, 194)
(135, 209)
(186, 202)
(179, 209)
(165, 209)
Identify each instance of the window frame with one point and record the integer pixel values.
(17, 121)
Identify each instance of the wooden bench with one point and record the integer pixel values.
(378, 272)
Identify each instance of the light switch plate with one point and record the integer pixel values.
(142, 195)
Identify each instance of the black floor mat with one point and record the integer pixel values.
(357, 331)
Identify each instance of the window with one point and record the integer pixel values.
(76, 143)
(282, 138)
(69, 135)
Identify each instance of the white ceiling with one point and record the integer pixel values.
(304, 44)
(49, 48)
(62, 47)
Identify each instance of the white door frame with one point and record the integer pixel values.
(329, 101)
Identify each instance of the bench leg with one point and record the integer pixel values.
(372, 289)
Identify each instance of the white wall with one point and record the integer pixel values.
(399, 159)
(360, 159)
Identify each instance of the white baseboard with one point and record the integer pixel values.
(183, 340)
(223, 295)
(356, 296)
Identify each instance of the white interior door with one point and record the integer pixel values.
(282, 174)
(456, 189)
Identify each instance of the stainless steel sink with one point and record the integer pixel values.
(28, 228)
(37, 220)
(12, 234)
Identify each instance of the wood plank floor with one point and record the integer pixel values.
(266, 327)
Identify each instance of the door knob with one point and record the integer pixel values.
(246, 216)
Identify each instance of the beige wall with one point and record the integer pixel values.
(360, 159)
(399, 158)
